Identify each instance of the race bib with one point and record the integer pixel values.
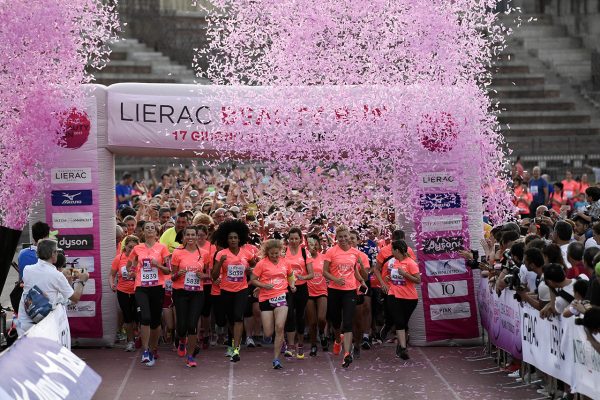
(279, 301)
(125, 273)
(397, 279)
(534, 190)
(235, 273)
(192, 282)
(569, 193)
(169, 286)
(149, 273)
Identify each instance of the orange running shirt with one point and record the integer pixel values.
(297, 263)
(341, 265)
(191, 262)
(233, 269)
(125, 283)
(146, 274)
(317, 286)
(400, 287)
(276, 275)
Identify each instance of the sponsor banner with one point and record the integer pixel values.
(61, 176)
(445, 267)
(54, 327)
(75, 242)
(585, 377)
(437, 223)
(444, 290)
(451, 311)
(440, 201)
(90, 287)
(82, 309)
(71, 198)
(81, 262)
(72, 220)
(442, 244)
(441, 179)
(40, 368)
(76, 165)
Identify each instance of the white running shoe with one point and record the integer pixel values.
(250, 342)
(130, 347)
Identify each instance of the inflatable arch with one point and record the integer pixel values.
(170, 120)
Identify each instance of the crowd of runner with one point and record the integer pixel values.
(199, 261)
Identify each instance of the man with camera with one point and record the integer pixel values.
(561, 290)
(49, 280)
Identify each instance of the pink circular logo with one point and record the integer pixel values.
(76, 129)
(438, 132)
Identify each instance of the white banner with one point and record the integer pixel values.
(54, 327)
(442, 290)
(436, 223)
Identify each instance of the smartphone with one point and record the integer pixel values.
(363, 289)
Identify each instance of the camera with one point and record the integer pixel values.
(474, 263)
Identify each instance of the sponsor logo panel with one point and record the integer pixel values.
(443, 244)
(439, 201)
(82, 309)
(441, 223)
(76, 242)
(441, 312)
(71, 175)
(73, 220)
(69, 198)
(438, 290)
(437, 180)
(445, 267)
(81, 262)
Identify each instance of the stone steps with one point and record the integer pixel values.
(544, 104)
(553, 129)
(521, 79)
(524, 92)
(543, 117)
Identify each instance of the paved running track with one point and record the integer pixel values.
(443, 373)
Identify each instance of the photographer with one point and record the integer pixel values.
(534, 262)
(48, 279)
(508, 263)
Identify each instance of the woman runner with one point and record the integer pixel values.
(271, 276)
(316, 308)
(189, 265)
(125, 288)
(399, 277)
(341, 269)
(211, 249)
(149, 262)
(294, 325)
(232, 265)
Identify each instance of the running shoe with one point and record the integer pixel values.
(347, 360)
(398, 351)
(151, 362)
(300, 353)
(337, 348)
(130, 347)
(257, 341)
(250, 342)
(324, 343)
(235, 357)
(290, 351)
(355, 352)
(404, 353)
(366, 345)
(181, 349)
(283, 347)
(190, 362)
(313, 350)
(145, 356)
(267, 340)
(277, 364)
(205, 342)
(229, 352)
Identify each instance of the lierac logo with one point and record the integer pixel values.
(65, 198)
(443, 179)
(71, 175)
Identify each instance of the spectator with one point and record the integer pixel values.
(576, 307)
(534, 262)
(575, 258)
(570, 186)
(558, 199)
(563, 232)
(591, 323)
(40, 230)
(123, 191)
(561, 290)
(584, 184)
(581, 229)
(164, 215)
(594, 241)
(593, 293)
(173, 237)
(47, 278)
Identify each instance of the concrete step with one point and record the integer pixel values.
(527, 92)
(558, 54)
(109, 79)
(127, 67)
(538, 30)
(118, 55)
(543, 117)
(518, 79)
(509, 68)
(148, 56)
(531, 130)
(544, 104)
(551, 43)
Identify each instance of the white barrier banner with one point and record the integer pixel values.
(54, 327)
(586, 373)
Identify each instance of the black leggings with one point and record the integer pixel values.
(295, 320)
(188, 307)
(218, 310)
(400, 311)
(341, 305)
(234, 305)
(128, 306)
(207, 301)
(150, 300)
